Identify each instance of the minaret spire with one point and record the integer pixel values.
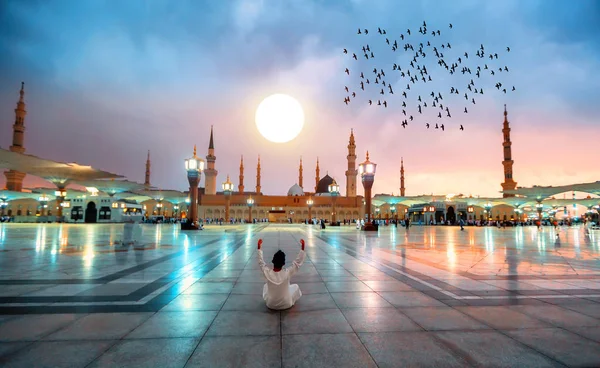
(509, 183)
(241, 185)
(210, 172)
(14, 179)
(402, 190)
(258, 176)
(317, 175)
(351, 172)
(300, 174)
(147, 180)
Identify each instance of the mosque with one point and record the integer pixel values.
(109, 197)
(299, 204)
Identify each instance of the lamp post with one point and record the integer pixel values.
(334, 191)
(43, 199)
(3, 205)
(175, 210)
(471, 211)
(488, 210)
(540, 208)
(367, 174)
(250, 203)
(377, 213)
(393, 209)
(194, 167)
(309, 203)
(518, 211)
(159, 206)
(227, 190)
(60, 194)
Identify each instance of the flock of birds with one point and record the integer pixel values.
(379, 88)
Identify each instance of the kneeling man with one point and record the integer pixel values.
(277, 292)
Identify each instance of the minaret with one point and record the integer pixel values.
(300, 174)
(351, 173)
(402, 177)
(241, 185)
(14, 179)
(317, 176)
(509, 183)
(210, 185)
(258, 176)
(147, 180)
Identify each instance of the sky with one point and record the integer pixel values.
(106, 81)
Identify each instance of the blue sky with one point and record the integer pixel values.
(108, 80)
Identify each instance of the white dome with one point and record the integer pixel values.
(295, 190)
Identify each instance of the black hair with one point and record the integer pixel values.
(278, 259)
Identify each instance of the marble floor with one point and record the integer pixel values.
(72, 296)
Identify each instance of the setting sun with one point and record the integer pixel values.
(279, 118)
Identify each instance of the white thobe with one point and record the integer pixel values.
(277, 292)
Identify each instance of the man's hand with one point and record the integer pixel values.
(302, 243)
(259, 243)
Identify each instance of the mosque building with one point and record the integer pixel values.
(274, 208)
(301, 202)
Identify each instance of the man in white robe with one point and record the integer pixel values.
(277, 292)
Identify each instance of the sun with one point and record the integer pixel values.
(279, 118)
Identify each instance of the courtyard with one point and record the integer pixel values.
(71, 296)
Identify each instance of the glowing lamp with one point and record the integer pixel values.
(227, 186)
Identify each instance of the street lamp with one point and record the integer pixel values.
(3, 205)
(488, 210)
(540, 207)
(227, 190)
(60, 199)
(367, 173)
(518, 211)
(194, 167)
(393, 209)
(309, 203)
(159, 205)
(175, 210)
(250, 203)
(334, 191)
(43, 199)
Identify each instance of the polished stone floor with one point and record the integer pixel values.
(71, 296)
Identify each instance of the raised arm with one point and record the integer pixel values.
(298, 261)
(261, 261)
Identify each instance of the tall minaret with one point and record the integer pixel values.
(300, 174)
(14, 179)
(351, 173)
(241, 185)
(317, 176)
(258, 176)
(402, 190)
(147, 180)
(210, 186)
(509, 183)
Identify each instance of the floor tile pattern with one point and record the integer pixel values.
(70, 296)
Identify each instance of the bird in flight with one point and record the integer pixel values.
(415, 72)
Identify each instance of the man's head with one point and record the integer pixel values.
(279, 259)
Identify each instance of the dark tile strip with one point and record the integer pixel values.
(153, 305)
(398, 276)
(105, 279)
